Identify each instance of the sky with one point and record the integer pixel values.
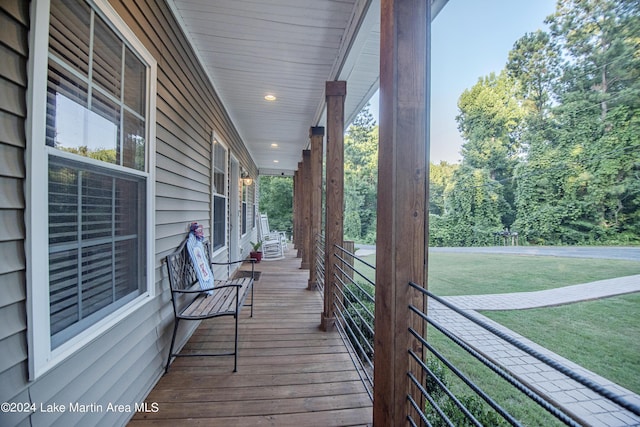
(471, 39)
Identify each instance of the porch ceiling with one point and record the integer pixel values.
(289, 49)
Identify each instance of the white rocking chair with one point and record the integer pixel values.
(272, 243)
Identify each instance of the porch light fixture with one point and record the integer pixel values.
(246, 179)
(270, 97)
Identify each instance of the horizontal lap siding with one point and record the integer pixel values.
(121, 365)
(188, 110)
(14, 27)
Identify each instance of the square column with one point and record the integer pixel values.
(402, 227)
(335, 93)
(316, 134)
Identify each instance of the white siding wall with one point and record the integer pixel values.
(121, 365)
(14, 27)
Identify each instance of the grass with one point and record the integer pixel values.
(480, 274)
(526, 411)
(602, 336)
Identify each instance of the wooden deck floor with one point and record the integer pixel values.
(289, 372)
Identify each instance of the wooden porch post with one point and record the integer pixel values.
(294, 238)
(335, 92)
(402, 226)
(306, 209)
(299, 211)
(315, 168)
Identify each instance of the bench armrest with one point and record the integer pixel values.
(192, 291)
(251, 260)
(199, 290)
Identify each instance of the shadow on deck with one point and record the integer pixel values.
(290, 373)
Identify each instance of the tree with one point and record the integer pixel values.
(490, 120)
(578, 183)
(474, 206)
(440, 178)
(588, 190)
(361, 178)
(533, 63)
(276, 200)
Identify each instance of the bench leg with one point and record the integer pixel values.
(235, 351)
(252, 299)
(173, 339)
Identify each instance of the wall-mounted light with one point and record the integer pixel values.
(246, 179)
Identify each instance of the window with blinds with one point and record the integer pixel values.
(219, 195)
(96, 114)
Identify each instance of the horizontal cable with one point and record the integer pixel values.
(464, 378)
(444, 388)
(432, 402)
(619, 400)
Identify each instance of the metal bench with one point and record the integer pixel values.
(191, 302)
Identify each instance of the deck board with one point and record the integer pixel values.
(290, 373)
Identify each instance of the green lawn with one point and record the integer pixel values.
(476, 274)
(479, 274)
(602, 336)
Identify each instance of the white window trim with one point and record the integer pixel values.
(224, 248)
(245, 219)
(41, 357)
(254, 205)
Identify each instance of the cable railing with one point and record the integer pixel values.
(319, 255)
(354, 310)
(453, 383)
(439, 402)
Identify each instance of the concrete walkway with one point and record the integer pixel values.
(550, 297)
(585, 406)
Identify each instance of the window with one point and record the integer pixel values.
(219, 235)
(96, 250)
(94, 211)
(251, 197)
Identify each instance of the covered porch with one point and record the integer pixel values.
(290, 373)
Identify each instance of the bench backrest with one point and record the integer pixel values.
(182, 273)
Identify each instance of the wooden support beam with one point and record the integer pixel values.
(402, 225)
(296, 208)
(316, 134)
(299, 211)
(335, 92)
(306, 209)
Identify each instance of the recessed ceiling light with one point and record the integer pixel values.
(274, 145)
(270, 97)
(276, 161)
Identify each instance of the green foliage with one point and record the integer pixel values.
(474, 404)
(440, 181)
(105, 155)
(359, 315)
(361, 178)
(552, 146)
(474, 206)
(276, 200)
